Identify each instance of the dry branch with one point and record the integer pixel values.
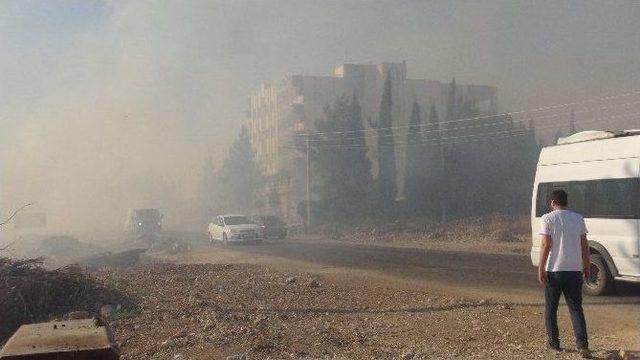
(14, 213)
(29, 292)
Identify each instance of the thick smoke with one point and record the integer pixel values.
(107, 106)
(122, 120)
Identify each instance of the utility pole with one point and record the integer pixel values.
(308, 227)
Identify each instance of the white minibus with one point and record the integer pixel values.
(600, 171)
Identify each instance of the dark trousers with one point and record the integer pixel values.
(568, 283)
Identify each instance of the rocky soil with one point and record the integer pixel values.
(238, 311)
(496, 234)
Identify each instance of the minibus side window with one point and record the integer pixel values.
(542, 199)
(578, 197)
(616, 198)
(544, 192)
(607, 198)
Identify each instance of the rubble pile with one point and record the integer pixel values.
(30, 293)
(494, 228)
(512, 233)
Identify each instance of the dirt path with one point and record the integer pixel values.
(489, 278)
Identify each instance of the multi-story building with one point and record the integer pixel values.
(281, 110)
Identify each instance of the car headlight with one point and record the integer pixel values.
(139, 224)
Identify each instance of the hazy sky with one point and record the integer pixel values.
(102, 98)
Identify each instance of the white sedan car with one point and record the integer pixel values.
(234, 228)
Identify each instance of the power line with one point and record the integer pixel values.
(525, 111)
(439, 141)
(437, 144)
(503, 122)
(496, 123)
(454, 138)
(433, 142)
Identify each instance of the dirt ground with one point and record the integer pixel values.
(226, 303)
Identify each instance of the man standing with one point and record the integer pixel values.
(564, 260)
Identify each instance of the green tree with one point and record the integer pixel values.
(342, 167)
(386, 181)
(463, 161)
(240, 177)
(415, 185)
(435, 163)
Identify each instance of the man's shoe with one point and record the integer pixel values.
(553, 347)
(585, 353)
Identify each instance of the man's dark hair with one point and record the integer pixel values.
(560, 197)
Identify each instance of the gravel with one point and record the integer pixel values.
(239, 311)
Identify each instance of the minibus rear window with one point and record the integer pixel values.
(606, 198)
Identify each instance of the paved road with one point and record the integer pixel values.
(504, 275)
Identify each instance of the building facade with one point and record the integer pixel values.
(280, 111)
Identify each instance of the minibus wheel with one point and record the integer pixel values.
(600, 281)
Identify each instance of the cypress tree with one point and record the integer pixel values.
(415, 177)
(436, 163)
(386, 155)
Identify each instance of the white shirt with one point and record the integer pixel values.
(565, 227)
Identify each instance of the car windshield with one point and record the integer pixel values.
(236, 220)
